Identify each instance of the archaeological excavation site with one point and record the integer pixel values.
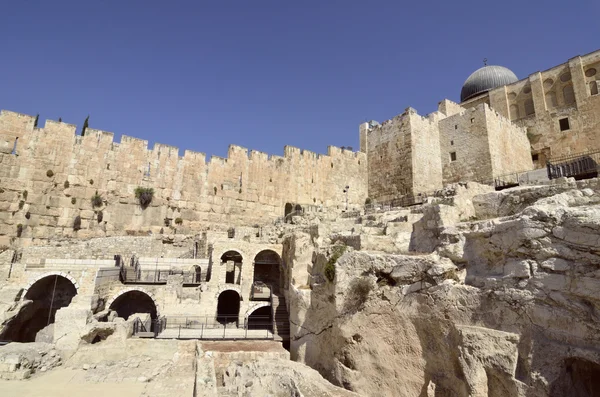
(455, 254)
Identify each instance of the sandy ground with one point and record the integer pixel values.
(65, 382)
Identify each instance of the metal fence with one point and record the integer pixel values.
(210, 327)
(133, 275)
(579, 166)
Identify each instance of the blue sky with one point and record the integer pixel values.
(201, 75)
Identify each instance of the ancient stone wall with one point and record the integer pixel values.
(390, 159)
(426, 162)
(53, 174)
(539, 102)
(465, 152)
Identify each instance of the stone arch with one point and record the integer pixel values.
(228, 306)
(267, 268)
(134, 289)
(255, 307)
(38, 278)
(233, 260)
(568, 94)
(46, 294)
(224, 288)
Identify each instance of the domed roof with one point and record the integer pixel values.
(485, 79)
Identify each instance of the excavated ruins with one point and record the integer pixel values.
(475, 292)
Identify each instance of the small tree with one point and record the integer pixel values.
(37, 118)
(178, 221)
(19, 230)
(144, 195)
(49, 173)
(60, 119)
(85, 125)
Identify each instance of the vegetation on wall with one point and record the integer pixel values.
(66, 184)
(358, 292)
(100, 216)
(329, 269)
(96, 200)
(178, 221)
(368, 201)
(25, 194)
(77, 223)
(144, 195)
(73, 200)
(21, 204)
(27, 215)
(49, 173)
(19, 230)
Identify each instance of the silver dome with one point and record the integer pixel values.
(485, 79)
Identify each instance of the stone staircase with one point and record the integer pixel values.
(281, 317)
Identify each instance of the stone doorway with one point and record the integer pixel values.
(228, 307)
(267, 270)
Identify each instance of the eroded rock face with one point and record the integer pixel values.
(500, 307)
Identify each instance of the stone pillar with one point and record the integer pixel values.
(578, 79)
(537, 93)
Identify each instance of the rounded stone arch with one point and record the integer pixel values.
(131, 289)
(224, 288)
(268, 268)
(233, 274)
(255, 307)
(228, 306)
(40, 277)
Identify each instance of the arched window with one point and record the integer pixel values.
(514, 112)
(594, 87)
(529, 109)
(551, 101)
(568, 94)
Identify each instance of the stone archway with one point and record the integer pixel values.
(38, 278)
(134, 300)
(233, 261)
(260, 318)
(267, 269)
(228, 306)
(42, 298)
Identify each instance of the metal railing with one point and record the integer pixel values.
(136, 275)
(211, 327)
(579, 166)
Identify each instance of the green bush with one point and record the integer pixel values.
(19, 230)
(100, 216)
(144, 195)
(73, 200)
(96, 200)
(66, 184)
(329, 269)
(25, 194)
(21, 204)
(178, 221)
(49, 173)
(77, 223)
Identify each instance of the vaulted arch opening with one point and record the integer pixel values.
(132, 302)
(42, 301)
(232, 260)
(261, 318)
(228, 307)
(267, 269)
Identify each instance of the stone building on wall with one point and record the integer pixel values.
(502, 126)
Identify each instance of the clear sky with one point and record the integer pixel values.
(201, 75)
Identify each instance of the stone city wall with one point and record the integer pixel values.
(53, 173)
